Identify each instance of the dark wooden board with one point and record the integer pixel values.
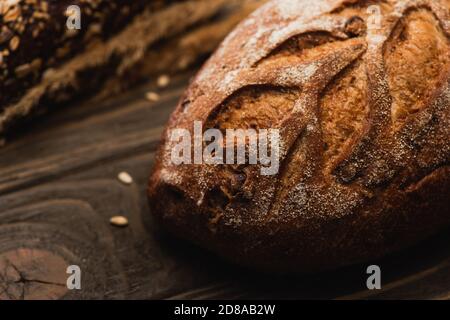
(58, 189)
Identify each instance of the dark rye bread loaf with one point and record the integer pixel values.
(43, 63)
(34, 37)
(364, 115)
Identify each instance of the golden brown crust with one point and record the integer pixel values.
(352, 186)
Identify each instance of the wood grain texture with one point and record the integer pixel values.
(58, 189)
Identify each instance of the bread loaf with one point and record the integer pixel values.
(359, 91)
(43, 63)
(34, 37)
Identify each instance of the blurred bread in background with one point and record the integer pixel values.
(45, 64)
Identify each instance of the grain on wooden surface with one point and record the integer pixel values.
(163, 81)
(119, 221)
(152, 96)
(125, 177)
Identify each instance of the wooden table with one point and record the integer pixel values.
(59, 188)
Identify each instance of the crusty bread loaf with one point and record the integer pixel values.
(363, 106)
(43, 63)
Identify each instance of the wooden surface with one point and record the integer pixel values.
(58, 189)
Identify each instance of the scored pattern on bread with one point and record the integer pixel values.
(418, 50)
(364, 119)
